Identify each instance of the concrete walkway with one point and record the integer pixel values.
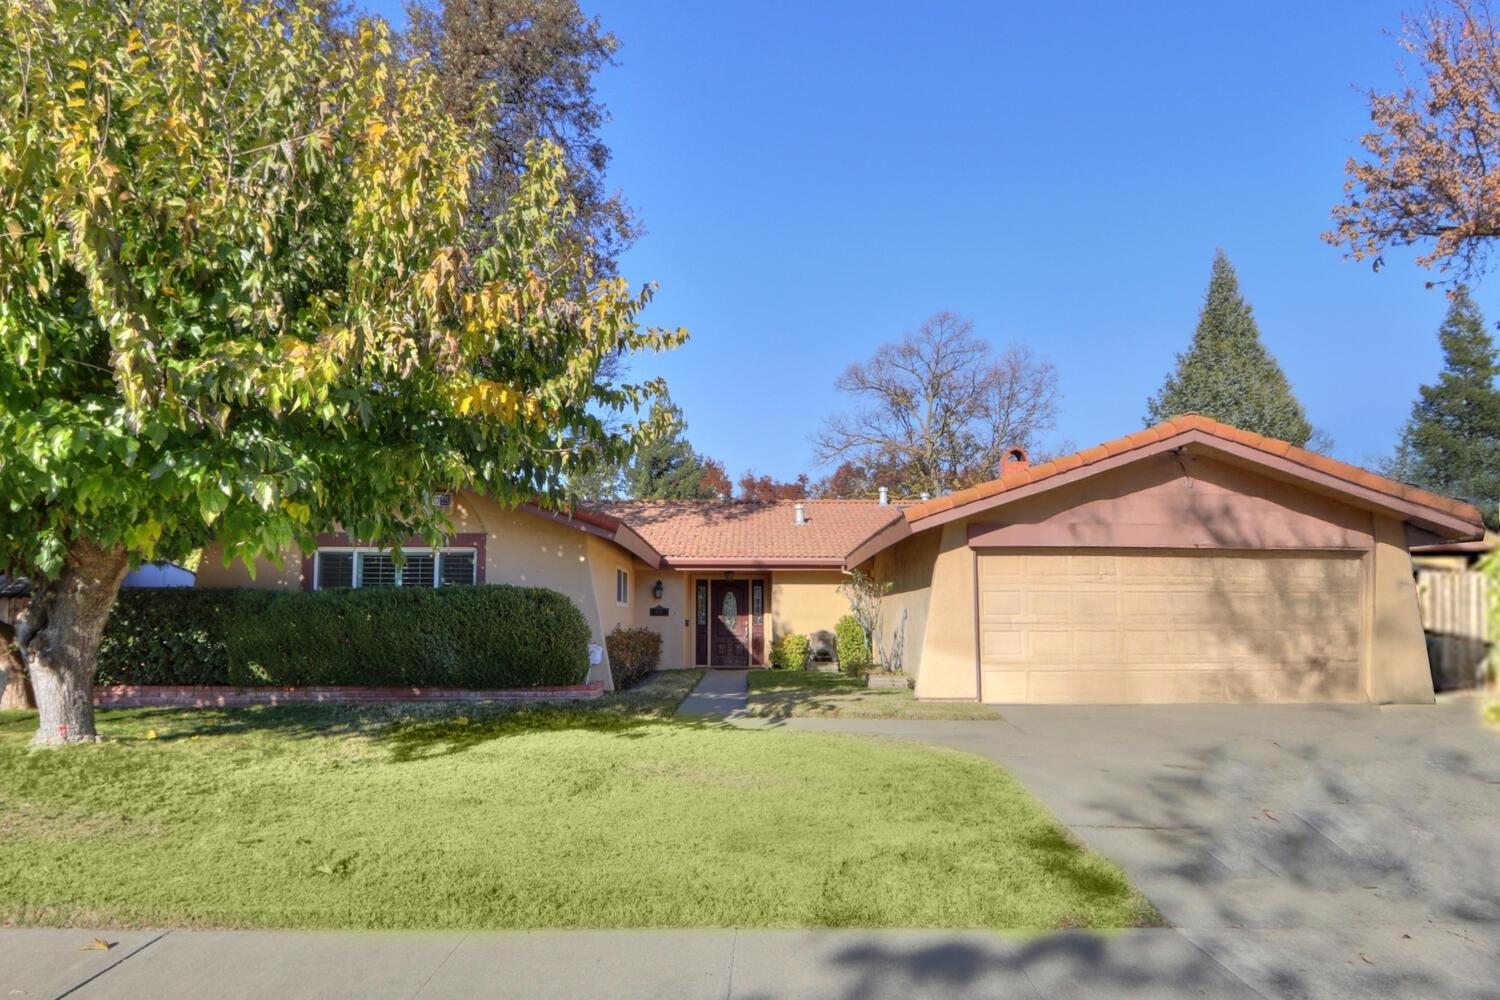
(721, 694)
(619, 965)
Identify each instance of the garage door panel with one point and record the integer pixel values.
(1118, 626)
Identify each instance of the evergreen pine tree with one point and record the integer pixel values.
(1227, 374)
(1451, 443)
(668, 468)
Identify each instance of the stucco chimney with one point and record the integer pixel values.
(800, 514)
(1015, 460)
(885, 497)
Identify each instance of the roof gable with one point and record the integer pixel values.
(1443, 515)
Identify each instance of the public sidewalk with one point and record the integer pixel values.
(620, 965)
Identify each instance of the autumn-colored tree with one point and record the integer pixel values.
(715, 480)
(753, 487)
(1428, 176)
(240, 302)
(937, 410)
(518, 71)
(1227, 373)
(849, 481)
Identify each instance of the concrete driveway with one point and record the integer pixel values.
(1312, 851)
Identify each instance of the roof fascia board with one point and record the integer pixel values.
(883, 539)
(709, 564)
(623, 535)
(1200, 441)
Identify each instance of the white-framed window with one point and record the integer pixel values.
(622, 587)
(355, 567)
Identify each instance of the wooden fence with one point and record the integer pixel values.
(1454, 613)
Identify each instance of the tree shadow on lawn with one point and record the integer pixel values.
(412, 730)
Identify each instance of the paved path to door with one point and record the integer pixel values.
(1312, 851)
(721, 694)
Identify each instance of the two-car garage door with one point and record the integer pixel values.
(1119, 625)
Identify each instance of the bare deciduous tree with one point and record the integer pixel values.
(1427, 178)
(937, 410)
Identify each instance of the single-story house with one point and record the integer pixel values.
(1189, 562)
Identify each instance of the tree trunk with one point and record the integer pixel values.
(58, 637)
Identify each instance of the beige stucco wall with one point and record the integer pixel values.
(676, 650)
(945, 657)
(806, 602)
(267, 575)
(908, 567)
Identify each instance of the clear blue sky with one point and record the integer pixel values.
(816, 179)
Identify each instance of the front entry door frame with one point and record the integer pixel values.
(713, 642)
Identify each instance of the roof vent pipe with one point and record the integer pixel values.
(800, 516)
(1015, 460)
(885, 497)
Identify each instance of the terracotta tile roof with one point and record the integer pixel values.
(1181, 425)
(709, 530)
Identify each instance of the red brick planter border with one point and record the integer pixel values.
(228, 696)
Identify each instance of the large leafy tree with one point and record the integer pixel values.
(936, 410)
(1451, 443)
(517, 71)
(1227, 373)
(239, 301)
(1427, 177)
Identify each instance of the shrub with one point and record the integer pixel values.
(633, 653)
(789, 652)
(174, 636)
(853, 645)
(465, 637)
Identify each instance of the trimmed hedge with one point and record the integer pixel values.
(491, 636)
(789, 652)
(633, 653)
(852, 644)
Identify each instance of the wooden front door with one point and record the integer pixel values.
(729, 624)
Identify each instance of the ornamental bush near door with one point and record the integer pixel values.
(789, 652)
(483, 637)
(633, 653)
(852, 644)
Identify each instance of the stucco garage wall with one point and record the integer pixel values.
(908, 567)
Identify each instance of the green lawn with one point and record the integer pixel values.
(609, 814)
(792, 693)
